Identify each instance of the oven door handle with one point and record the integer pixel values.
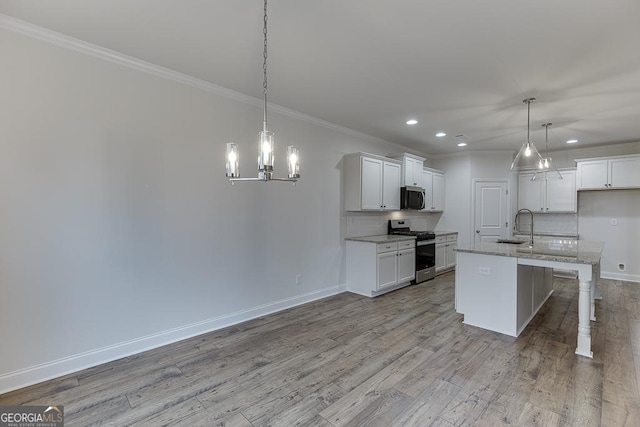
(425, 242)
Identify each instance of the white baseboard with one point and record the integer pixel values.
(620, 276)
(74, 363)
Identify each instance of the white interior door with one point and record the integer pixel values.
(491, 220)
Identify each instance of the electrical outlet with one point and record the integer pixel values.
(298, 279)
(614, 221)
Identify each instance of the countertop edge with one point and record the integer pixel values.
(382, 238)
(506, 250)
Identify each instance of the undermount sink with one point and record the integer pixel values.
(511, 241)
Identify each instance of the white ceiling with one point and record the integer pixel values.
(462, 66)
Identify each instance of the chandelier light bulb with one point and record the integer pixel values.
(266, 148)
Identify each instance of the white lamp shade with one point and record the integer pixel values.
(293, 161)
(266, 148)
(233, 170)
(546, 171)
(528, 158)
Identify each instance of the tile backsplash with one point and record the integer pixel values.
(375, 223)
(550, 223)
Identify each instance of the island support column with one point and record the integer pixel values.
(584, 311)
(595, 291)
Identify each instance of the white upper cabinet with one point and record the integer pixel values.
(562, 195)
(412, 172)
(608, 173)
(372, 170)
(437, 192)
(433, 183)
(411, 169)
(548, 196)
(391, 186)
(371, 182)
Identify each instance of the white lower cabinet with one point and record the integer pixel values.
(406, 265)
(445, 252)
(376, 268)
(498, 294)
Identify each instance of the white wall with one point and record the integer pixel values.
(596, 209)
(461, 169)
(456, 209)
(119, 231)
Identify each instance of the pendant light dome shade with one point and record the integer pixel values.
(528, 158)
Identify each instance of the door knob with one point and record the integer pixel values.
(478, 231)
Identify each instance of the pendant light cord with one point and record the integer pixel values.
(546, 138)
(264, 67)
(528, 101)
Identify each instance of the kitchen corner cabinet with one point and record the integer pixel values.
(548, 196)
(376, 268)
(433, 182)
(607, 173)
(445, 252)
(371, 182)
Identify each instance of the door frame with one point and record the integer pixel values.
(474, 183)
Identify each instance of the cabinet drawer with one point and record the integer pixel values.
(452, 237)
(387, 247)
(441, 239)
(406, 244)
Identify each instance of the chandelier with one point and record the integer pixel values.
(265, 140)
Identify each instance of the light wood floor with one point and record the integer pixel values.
(400, 359)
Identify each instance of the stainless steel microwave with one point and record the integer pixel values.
(412, 198)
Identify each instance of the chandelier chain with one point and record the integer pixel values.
(264, 65)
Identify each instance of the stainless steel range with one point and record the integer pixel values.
(425, 248)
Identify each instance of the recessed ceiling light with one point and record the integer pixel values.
(462, 144)
(441, 134)
(412, 122)
(572, 141)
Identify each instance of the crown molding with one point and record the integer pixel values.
(18, 26)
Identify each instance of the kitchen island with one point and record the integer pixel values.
(501, 286)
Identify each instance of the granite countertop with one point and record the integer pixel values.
(444, 233)
(561, 250)
(383, 238)
(550, 234)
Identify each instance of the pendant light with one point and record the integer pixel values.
(546, 169)
(528, 157)
(265, 141)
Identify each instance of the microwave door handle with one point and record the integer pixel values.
(423, 200)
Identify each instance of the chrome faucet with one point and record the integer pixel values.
(518, 224)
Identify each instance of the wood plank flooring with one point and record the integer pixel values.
(401, 359)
